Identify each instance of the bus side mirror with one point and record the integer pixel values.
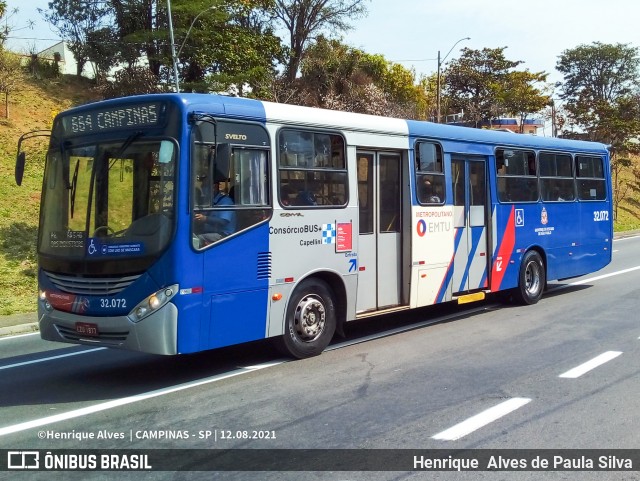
(20, 160)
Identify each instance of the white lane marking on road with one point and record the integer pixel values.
(589, 365)
(131, 399)
(44, 359)
(479, 420)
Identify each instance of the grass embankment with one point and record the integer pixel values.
(33, 107)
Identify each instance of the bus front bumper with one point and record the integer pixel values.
(155, 334)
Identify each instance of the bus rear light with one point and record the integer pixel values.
(152, 303)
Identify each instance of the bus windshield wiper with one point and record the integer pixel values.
(73, 186)
(125, 145)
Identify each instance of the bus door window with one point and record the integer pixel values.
(365, 193)
(229, 191)
(389, 194)
(458, 187)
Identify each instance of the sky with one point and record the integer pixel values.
(411, 32)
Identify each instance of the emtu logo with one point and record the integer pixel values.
(23, 460)
(421, 227)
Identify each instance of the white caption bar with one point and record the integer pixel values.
(479, 420)
(589, 365)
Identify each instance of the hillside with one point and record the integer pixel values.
(32, 107)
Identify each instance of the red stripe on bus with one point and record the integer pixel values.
(501, 261)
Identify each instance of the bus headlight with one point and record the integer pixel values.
(152, 303)
(42, 295)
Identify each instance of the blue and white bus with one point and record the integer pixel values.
(177, 223)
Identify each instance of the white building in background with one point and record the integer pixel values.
(68, 64)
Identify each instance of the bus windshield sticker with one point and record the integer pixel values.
(67, 239)
(97, 248)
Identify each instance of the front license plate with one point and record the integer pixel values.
(87, 329)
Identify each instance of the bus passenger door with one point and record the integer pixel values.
(469, 183)
(380, 239)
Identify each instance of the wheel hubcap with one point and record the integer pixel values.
(532, 278)
(310, 318)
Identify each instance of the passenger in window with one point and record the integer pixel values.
(286, 195)
(217, 223)
(307, 196)
(428, 193)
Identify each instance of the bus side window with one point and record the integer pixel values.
(517, 175)
(430, 181)
(590, 178)
(311, 169)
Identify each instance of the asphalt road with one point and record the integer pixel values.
(489, 376)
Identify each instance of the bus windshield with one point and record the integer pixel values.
(108, 200)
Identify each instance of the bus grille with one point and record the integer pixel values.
(106, 337)
(99, 286)
(264, 265)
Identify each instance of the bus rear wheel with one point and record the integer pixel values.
(532, 279)
(310, 320)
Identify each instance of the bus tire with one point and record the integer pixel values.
(532, 279)
(310, 320)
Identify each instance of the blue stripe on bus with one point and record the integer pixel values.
(476, 235)
(449, 276)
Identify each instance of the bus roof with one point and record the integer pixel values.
(261, 111)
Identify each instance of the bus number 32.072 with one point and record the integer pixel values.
(601, 216)
(113, 303)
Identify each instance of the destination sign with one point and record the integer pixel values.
(101, 120)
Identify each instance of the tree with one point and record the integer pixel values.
(485, 85)
(600, 82)
(74, 20)
(601, 91)
(304, 20)
(521, 97)
(10, 75)
(224, 45)
(3, 11)
(336, 76)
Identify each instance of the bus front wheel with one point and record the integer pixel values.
(532, 279)
(310, 320)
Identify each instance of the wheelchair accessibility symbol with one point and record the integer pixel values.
(92, 249)
(519, 217)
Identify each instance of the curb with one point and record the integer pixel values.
(18, 329)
